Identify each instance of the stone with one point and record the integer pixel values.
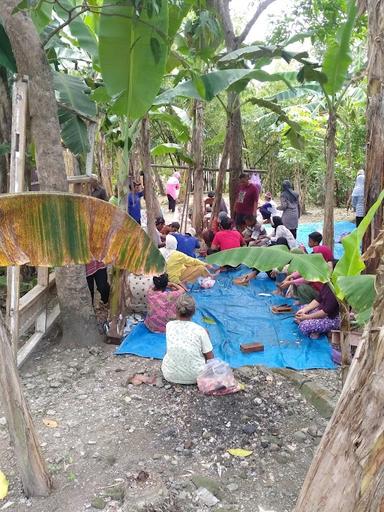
(232, 487)
(213, 486)
(249, 429)
(115, 493)
(299, 436)
(98, 503)
(313, 431)
(55, 384)
(206, 498)
(283, 458)
(3, 421)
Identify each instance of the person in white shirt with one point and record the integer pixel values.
(188, 345)
(280, 231)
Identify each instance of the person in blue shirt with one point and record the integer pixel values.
(134, 201)
(187, 243)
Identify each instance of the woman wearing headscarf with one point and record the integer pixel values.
(289, 203)
(358, 197)
(180, 267)
(162, 299)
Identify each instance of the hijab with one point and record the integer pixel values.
(289, 193)
(170, 247)
(358, 190)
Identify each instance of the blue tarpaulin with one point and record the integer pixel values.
(236, 314)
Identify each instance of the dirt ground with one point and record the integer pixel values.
(163, 448)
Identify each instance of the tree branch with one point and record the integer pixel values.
(260, 9)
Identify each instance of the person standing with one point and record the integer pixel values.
(247, 200)
(172, 191)
(358, 197)
(289, 203)
(134, 201)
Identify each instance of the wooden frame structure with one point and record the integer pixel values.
(38, 309)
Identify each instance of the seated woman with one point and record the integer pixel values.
(188, 345)
(254, 234)
(269, 208)
(180, 267)
(162, 303)
(319, 316)
(282, 232)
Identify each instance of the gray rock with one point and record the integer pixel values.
(299, 436)
(55, 384)
(206, 498)
(3, 421)
(249, 429)
(283, 458)
(98, 503)
(232, 487)
(213, 486)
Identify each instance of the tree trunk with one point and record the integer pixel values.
(5, 129)
(31, 465)
(221, 177)
(151, 202)
(159, 182)
(235, 146)
(347, 472)
(198, 173)
(78, 317)
(330, 154)
(374, 173)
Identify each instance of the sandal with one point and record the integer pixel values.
(241, 281)
(283, 308)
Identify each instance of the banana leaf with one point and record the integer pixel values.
(56, 229)
(360, 293)
(311, 266)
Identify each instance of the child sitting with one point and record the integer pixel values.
(254, 234)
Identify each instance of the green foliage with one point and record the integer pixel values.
(133, 49)
(167, 148)
(311, 266)
(360, 293)
(73, 132)
(351, 263)
(337, 58)
(7, 59)
(74, 93)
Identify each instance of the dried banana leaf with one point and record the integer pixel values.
(57, 229)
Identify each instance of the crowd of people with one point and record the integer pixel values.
(170, 309)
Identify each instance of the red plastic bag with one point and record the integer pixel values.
(217, 379)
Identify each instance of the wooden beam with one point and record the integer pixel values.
(186, 167)
(16, 184)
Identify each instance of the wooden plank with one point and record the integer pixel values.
(81, 179)
(33, 304)
(16, 184)
(33, 341)
(89, 159)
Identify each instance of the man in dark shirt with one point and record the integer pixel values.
(247, 200)
(187, 243)
(134, 201)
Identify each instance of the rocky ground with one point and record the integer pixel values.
(161, 448)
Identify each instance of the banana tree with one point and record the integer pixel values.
(334, 84)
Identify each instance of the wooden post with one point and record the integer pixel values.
(90, 155)
(16, 184)
(31, 465)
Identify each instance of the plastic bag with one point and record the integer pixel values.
(217, 379)
(206, 282)
(256, 180)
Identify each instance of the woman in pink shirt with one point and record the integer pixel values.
(172, 190)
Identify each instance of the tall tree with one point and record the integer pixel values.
(78, 318)
(374, 175)
(198, 173)
(233, 42)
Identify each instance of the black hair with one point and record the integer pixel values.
(211, 194)
(282, 241)
(316, 237)
(226, 223)
(160, 282)
(276, 221)
(242, 176)
(175, 225)
(159, 220)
